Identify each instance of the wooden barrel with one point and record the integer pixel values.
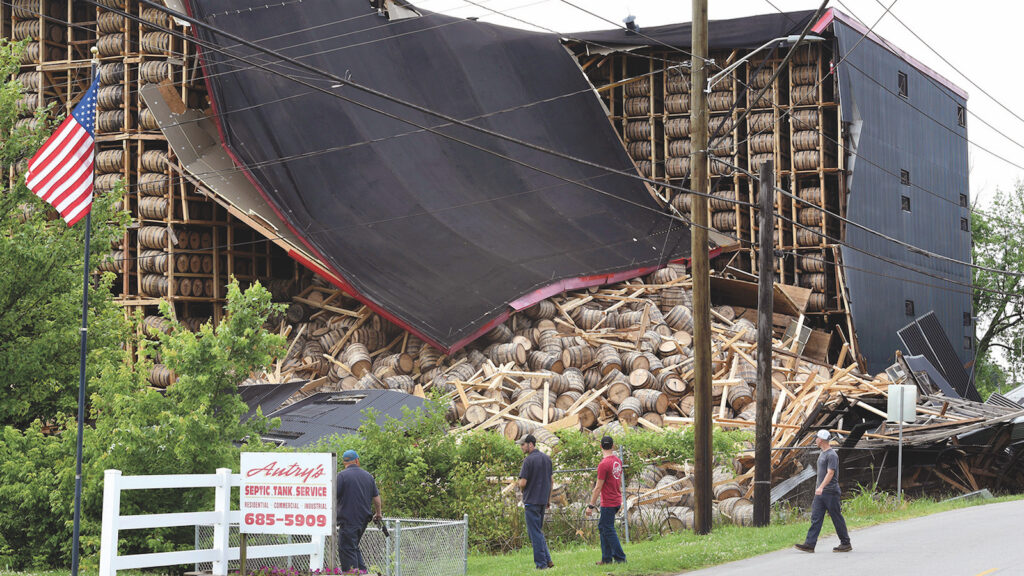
(588, 414)
(811, 263)
(406, 384)
(806, 140)
(721, 166)
(155, 42)
(589, 318)
(686, 405)
(677, 83)
(806, 74)
(112, 262)
(577, 356)
(679, 148)
(108, 161)
(763, 143)
(757, 159)
(36, 53)
(567, 399)
(727, 504)
(743, 514)
(681, 515)
(677, 167)
(153, 325)
(672, 384)
(184, 286)
(357, 358)
(155, 237)
(759, 77)
(543, 310)
(763, 122)
(667, 487)
(681, 202)
(645, 167)
(546, 437)
(739, 396)
(811, 194)
(574, 380)
(152, 184)
(111, 73)
(154, 71)
(110, 121)
(153, 208)
(721, 145)
(650, 475)
(110, 23)
(155, 18)
(810, 216)
(803, 95)
(806, 237)
(516, 429)
(511, 352)
(629, 410)
(608, 359)
(815, 282)
(804, 120)
(110, 45)
(628, 319)
(652, 400)
(104, 183)
(723, 220)
(677, 128)
(677, 103)
(31, 81)
(618, 388)
(726, 490)
(25, 9)
(154, 160)
(642, 378)
(25, 29)
(195, 263)
(370, 381)
(639, 149)
(743, 370)
(153, 261)
(638, 106)
(154, 285)
(638, 130)
(638, 87)
(540, 360)
(206, 242)
(722, 200)
(147, 121)
(161, 376)
(428, 357)
(817, 302)
(499, 333)
(720, 101)
(680, 318)
(27, 104)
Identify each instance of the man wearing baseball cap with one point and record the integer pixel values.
(535, 482)
(609, 488)
(826, 498)
(356, 490)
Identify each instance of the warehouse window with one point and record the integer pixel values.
(967, 318)
(908, 307)
(905, 177)
(968, 342)
(905, 203)
(903, 85)
(961, 115)
(963, 200)
(964, 225)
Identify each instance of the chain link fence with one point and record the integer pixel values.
(414, 547)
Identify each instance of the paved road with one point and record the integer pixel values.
(981, 540)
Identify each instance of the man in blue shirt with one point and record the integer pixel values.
(356, 490)
(826, 498)
(535, 482)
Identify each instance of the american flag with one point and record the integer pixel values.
(61, 172)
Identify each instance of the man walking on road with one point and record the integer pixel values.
(609, 488)
(535, 482)
(826, 499)
(356, 490)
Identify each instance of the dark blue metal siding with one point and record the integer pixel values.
(919, 134)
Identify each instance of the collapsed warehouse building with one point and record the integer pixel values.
(422, 202)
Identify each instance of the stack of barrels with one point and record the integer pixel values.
(677, 133)
(114, 111)
(36, 21)
(638, 127)
(153, 40)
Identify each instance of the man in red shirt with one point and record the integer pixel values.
(609, 488)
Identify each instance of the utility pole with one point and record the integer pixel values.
(765, 309)
(703, 456)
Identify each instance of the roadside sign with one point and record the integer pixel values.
(287, 493)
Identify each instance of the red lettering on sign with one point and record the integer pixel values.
(293, 470)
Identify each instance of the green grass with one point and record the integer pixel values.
(675, 553)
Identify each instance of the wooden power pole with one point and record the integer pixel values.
(765, 305)
(703, 456)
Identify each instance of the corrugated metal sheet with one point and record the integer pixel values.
(921, 364)
(919, 134)
(926, 337)
(328, 413)
(269, 397)
(998, 399)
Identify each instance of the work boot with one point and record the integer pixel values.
(843, 548)
(804, 547)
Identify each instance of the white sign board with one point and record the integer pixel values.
(287, 493)
(902, 397)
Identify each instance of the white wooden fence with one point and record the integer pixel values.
(220, 518)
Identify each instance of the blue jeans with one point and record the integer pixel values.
(535, 528)
(611, 550)
(826, 502)
(349, 555)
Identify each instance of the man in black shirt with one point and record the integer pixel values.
(356, 490)
(826, 498)
(535, 481)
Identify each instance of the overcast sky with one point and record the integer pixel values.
(979, 40)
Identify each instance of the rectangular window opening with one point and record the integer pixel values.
(903, 85)
(965, 225)
(968, 343)
(905, 177)
(963, 201)
(967, 319)
(905, 203)
(961, 115)
(908, 307)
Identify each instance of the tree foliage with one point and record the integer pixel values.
(41, 290)
(999, 243)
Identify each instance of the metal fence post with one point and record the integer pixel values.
(398, 548)
(196, 567)
(625, 501)
(465, 543)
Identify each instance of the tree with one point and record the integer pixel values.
(41, 290)
(999, 243)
